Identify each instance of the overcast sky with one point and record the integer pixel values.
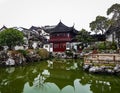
(26, 13)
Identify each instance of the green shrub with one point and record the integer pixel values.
(43, 53)
(107, 46)
(102, 46)
(69, 53)
(113, 46)
(23, 52)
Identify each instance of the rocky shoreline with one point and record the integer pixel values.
(102, 69)
(22, 57)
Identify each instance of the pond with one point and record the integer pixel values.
(56, 76)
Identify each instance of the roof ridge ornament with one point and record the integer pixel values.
(60, 21)
(73, 24)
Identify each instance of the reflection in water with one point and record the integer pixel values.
(72, 67)
(48, 87)
(10, 69)
(39, 81)
(50, 64)
(59, 77)
(46, 73)
(67, 89)
(40, 86)
(81, 88)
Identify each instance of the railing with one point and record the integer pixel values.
(59, 39)
(102, 59)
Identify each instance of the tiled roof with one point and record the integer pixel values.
(4, 27)
(63, 28)
(34, 28)
(60, 27)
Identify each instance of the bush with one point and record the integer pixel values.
(43, 53)
(107, 46)
(102, 46)
(23, 52)
(113, 46)
(69, 53)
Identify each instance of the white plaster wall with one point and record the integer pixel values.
(51, 47)
(109, 38)
(47, 47)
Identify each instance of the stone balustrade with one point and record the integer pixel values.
(102, 59)
(102, 63)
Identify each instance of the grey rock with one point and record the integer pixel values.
(86, 67)
(94, 69)
(10, 62)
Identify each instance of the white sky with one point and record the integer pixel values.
(25, 13)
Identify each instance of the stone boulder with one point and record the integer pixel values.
(117, 68)
(93, 69)
(17, 57)
(86, 67)
(96, 69)
(10, 62)
(109, 71)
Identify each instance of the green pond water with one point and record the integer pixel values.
(64, 76)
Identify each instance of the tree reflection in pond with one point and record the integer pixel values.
(65, 76)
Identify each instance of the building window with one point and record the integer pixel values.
(46, 46)
(51, 45)
(68, 45)
(56, 45)
(68, 35)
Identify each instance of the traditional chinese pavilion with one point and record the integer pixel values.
(62, 37)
